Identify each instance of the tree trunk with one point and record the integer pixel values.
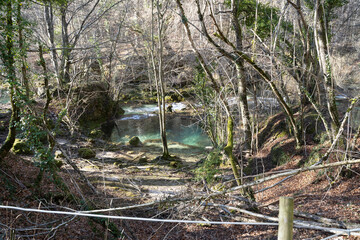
(229, 150)
(9, 62)
(159, 75)
(50, 30)
(230, 125)
(244, 108)
(324, 60)
(25, 80)
(66, 49)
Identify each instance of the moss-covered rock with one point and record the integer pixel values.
(86, 153)
(143, 160)
(92, 103)
(169, 108)
(135, 141)
(173, 97)
(175, 164)
(278, 156)
(21, 147)
(96, 133)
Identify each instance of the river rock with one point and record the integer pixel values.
(135, 141)
(143, 160)
(86, 153)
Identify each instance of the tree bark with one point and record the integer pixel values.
(25, 80)
(49, 18)
(66, 48)
(230, 125)
(9, 62)
(324, 60)
(244, 108)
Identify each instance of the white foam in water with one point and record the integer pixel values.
(137, 116)
(178, 106)
(148, 110)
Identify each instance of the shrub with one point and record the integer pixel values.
(209, 167)
(278, 156)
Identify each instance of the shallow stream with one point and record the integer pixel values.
(183, 131)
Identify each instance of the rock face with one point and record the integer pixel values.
(107, 127)
(93, 104)
(135, 142)
(86, 153)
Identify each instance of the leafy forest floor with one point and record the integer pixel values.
(124, 175)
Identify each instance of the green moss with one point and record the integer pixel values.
(21, 147)
(209, 167)
(320, 138)
(168, 99)
(118, 164)
(175, 164)
(314, 157)
(248, 169)
(96, 133)
(86, 153)
(278, 156)
(281, 134)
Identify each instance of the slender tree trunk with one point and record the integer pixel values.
(244, 108)
(230, 124)
(9, 62)
(25, 80)
(162, 89)
(49, 17)
(66, 49)
(324, 60)
(159, 74)
(229, 149)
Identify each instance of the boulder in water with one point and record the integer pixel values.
(135, 141)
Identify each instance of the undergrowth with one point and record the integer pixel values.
(209, 167)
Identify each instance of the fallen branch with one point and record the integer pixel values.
(340, 131)
(259, 181)
(297, 223)
(77, 170)
(284, 174)
(327, 221)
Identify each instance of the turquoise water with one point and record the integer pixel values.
(142, 121)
